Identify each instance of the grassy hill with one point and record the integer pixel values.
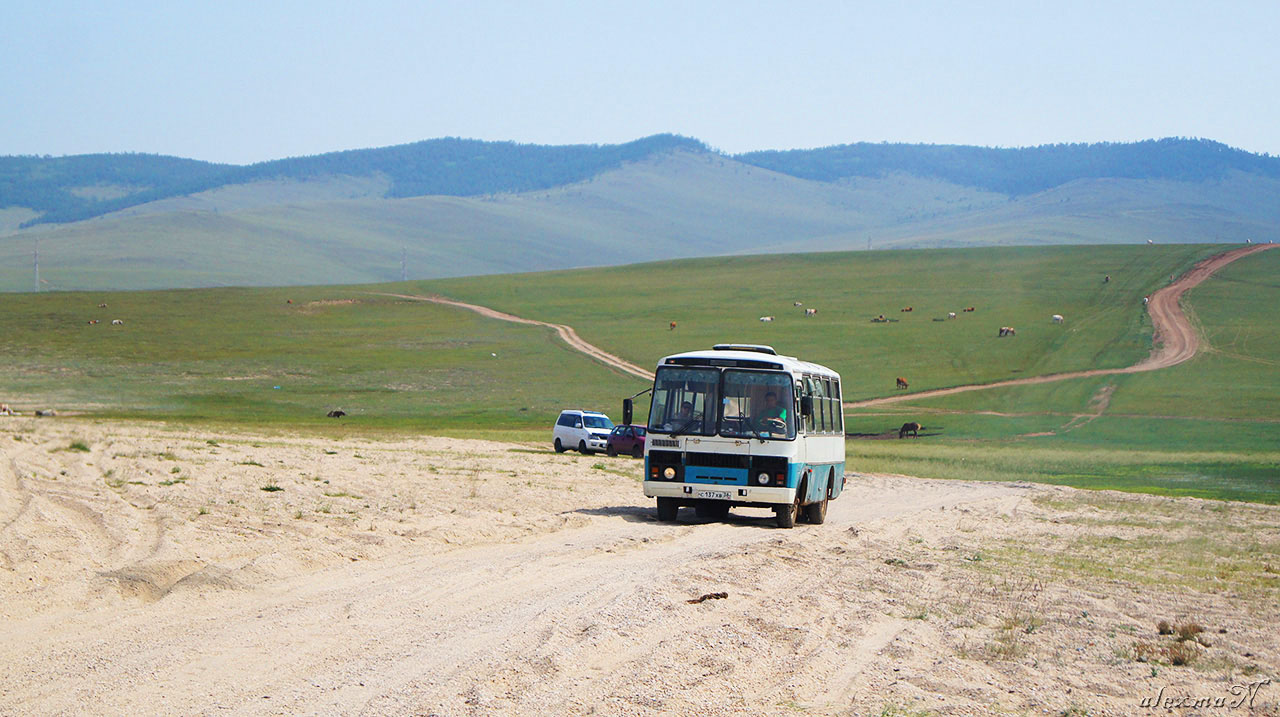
(462, 207)
(250, 356)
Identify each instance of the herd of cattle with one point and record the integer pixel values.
(880, 319)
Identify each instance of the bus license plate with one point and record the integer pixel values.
(718, 494)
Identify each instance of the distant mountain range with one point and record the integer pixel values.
(454, 206)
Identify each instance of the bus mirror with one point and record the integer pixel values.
(806, 405)
(626, 411)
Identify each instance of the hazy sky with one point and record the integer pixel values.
(249, 81)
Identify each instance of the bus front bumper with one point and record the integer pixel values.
(743, 494)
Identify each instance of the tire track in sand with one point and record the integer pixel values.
(566, 332)
(1175, 339)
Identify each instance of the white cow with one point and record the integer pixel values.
(810, 312)
(1057, 318)
(117, 322)
(766, 319)
(951, 314)
(799, 303)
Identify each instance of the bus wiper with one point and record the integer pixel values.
(679, 431)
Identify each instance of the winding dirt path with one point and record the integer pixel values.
(1175, 339)
(566, 332)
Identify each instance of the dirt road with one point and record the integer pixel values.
(567, 334)
(161, 571)
(1175, 339)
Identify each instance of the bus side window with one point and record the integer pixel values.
(819, 406)
(839, 398)
(831, 405)
(809, 420)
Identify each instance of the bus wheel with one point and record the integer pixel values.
(816, 513)
(667, 509)
(788, 514)
(559, 446)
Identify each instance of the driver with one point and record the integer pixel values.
(682, 419)
(773, 417)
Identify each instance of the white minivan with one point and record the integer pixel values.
(584, 431)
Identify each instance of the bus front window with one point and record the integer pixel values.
(684, 401)
(759, 405)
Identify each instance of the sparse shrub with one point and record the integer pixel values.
(175, 469)
(331, 453)
(1188, 631)
(211, 442)
(203, 511)
(78, 446)
(251, 462)
(896, 562)
(1182, 653)
(271, 488)
(1177, 653)
(597, 467)
(297, 515)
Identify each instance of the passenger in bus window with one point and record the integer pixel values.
(773, 417)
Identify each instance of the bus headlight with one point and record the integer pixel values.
(669, 473)
(763, 479)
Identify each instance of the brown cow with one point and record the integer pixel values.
(908, 308)
(912, 427)
(969, 309)
(902, 382)
(673, 326)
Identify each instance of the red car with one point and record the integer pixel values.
(626, 439)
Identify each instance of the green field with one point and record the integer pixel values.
(247, 356)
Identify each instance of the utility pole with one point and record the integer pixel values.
(404, 255)
(868, 242)
(36, 256)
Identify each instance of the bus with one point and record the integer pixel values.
(740, 425)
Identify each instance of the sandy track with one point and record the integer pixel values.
(1175, 340)
(567, 334)
(435, 576)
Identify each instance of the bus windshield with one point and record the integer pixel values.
(684, 401)
(758, 405)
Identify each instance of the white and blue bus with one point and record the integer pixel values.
(741, 425)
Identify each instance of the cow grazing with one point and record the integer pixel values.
(1106, 279)
(1007, 331)
(879, 319)
(910, 427)
(117, 322)
(1149, 241)
(766, 319)
(902, 382)
(336, 413)
(1057, 318)
(969, 310)
(102, 306)
(5, 410)
(673, 326)
(1146, 300)
(92, 321)
(906, 308)
(46, 412)
(798, 303)
(951, 314)
(810, 312)
(288, 301)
